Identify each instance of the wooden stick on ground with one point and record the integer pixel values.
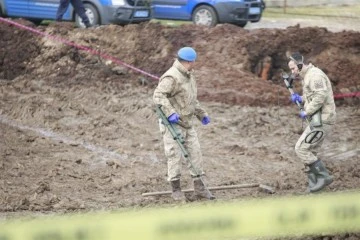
(251, 185)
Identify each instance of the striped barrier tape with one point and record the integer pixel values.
(271, 217)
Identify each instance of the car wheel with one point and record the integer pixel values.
(205, 15)
(241, 24)
(37, 22)
(91, 13)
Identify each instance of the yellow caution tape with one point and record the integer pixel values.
(271, 217)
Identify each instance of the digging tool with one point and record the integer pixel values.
(263, 187)
(315, 134)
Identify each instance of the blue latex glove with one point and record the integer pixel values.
(296, 98)
(205, 120)
(174, 118)
(303, 114)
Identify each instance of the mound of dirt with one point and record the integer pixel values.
(230, 62)
(79, 132)
(18, 47)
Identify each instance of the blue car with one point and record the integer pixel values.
(210, 12)
(99, 11)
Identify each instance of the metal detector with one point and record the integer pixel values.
(315, 135)
(176, 134)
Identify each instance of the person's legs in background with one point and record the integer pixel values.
(63, 6)
(80, 10)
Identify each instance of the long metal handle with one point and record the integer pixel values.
(179, 139)
(250, 185)
(288, 86)
(176, 136)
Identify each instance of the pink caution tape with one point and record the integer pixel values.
(346, 95)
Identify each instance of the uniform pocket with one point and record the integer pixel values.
(316, 120)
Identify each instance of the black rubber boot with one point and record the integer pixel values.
(177, 194)
(311, 179)
(322, 176)
(200, 191)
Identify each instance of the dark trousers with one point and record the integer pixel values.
(78, 6)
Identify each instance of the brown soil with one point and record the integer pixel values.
(79, 132)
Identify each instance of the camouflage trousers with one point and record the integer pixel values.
(307, 152)
(174, 155)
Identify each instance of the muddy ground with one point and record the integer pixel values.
(79, 132)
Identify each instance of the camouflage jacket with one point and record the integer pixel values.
(177, 93)
(318, 94)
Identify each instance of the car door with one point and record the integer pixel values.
(16, 8)
(171, 9)
(46, 9)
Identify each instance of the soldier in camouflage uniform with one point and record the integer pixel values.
(177, 94)
(319, 104)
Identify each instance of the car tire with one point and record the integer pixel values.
(92, 14)
(241, 24)
(205, 15)
(37, 22)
